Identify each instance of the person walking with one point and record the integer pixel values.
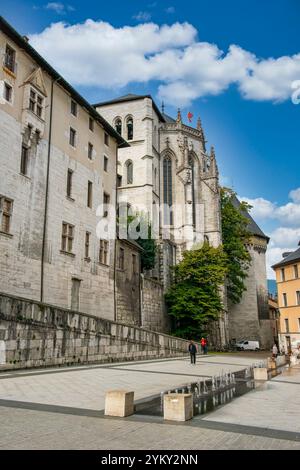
(274, 351)
(204, 345)
(192, 351)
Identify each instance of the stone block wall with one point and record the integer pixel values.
(154, 314)
(33, 334)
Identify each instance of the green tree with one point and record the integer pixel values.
(148, 254)
(235, 236)
(194, 298)
(133, 225)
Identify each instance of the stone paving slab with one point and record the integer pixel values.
(26, 429)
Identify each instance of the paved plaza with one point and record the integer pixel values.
(62, 408)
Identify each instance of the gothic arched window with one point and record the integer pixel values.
(167, 190)
(129, 169)
(118, 126)
(191, 164)
(129, 124)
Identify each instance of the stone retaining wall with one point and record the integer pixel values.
(33, 334)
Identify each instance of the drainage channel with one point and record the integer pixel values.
(208, 394)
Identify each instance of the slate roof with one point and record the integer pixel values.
(291, 258)
(168, 118)
(252, 226)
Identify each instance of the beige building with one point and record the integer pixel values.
(58, 166)
(288, 287)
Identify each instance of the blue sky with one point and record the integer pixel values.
(249, 117)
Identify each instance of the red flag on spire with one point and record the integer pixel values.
(190, 116)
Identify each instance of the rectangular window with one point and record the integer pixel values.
(282, 274)
(106, 200)
(119, 181)
(24, 160)
(106, 139)
(7, 92)
(287, 328)
(32, 101)
(69, 182)
(39, 106)
(121, 258)
(91, 124)
(90, 151)
(296, 271)
(284, 298)
(87, 245)
(103, 252)
(10, 59)
(6, 206)
(134, 264)
(298, 297)
(72, 137)
(90, 194)
(105, 163)
(73, 108)
(67, 237)
(299, 323)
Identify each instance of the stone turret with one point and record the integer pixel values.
(179, 120)
(213, 163)
(201, 131)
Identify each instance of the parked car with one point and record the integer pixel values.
(247, 345)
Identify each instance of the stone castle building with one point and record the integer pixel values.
(65, 163)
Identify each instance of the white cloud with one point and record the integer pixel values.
(261, 208)
(142, 16)
(96, 53)
(295, 195)
(59, 8)
(288, 214)
(286, 236)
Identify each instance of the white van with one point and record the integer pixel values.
(247, 345)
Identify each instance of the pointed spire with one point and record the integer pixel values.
(213, 163)
(178, 116)
(199, 125)
(162, 107)
(200, 129)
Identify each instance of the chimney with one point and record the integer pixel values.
(26, 38)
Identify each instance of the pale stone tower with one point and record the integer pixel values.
(249, 319)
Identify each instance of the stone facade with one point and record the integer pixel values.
(250, 319)
(154, 314)
(33, 334)
(128, 280)
(46, 180)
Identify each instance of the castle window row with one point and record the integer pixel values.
(67, 244)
